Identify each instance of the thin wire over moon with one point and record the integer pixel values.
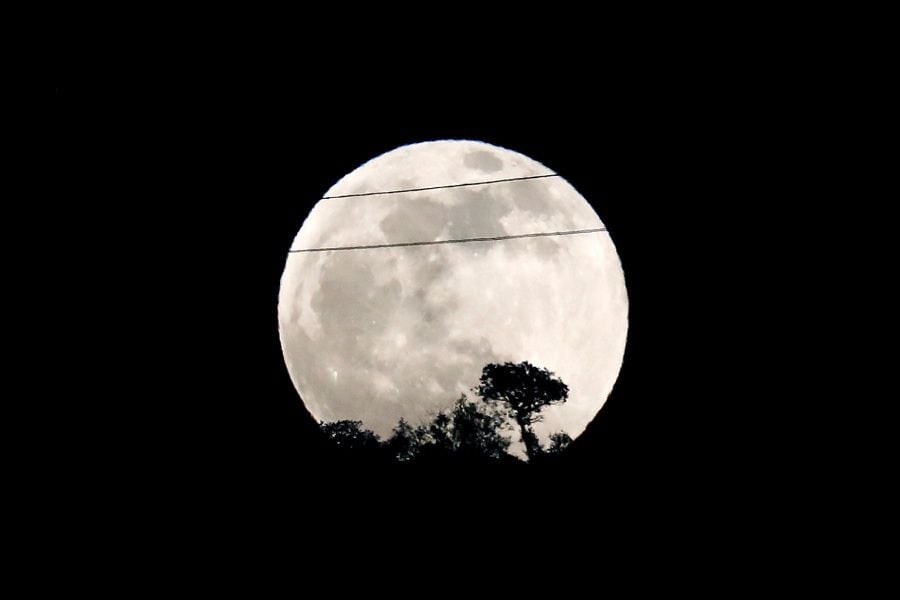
(460, 241)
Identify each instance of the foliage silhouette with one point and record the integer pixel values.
(403, 445)
(438, 434)
(350, 435)
(477, 429)
(524, 390)
(558, 442)
(472, 431)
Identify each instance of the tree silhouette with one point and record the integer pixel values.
(524, 390)
(472, 432)
(559, 441)
(403, 445)
(477, 430)
(439, 433)
(435, 440)
(350, 435)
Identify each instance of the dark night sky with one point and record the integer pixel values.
(192, 178)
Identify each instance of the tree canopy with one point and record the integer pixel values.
(473, 430)
(524, 390)
(350, 435)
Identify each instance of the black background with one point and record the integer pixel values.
(178, 187)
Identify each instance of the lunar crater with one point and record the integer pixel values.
(482, 160)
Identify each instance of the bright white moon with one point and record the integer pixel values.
(378, 334)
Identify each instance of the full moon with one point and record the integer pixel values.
(378, 322)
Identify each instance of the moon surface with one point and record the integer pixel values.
(378, 334)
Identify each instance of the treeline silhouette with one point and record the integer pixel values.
(473, 430)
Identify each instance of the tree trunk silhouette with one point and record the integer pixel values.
(532, 447)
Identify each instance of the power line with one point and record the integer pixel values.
(438, 242)
(440, 187)
(461, 241)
